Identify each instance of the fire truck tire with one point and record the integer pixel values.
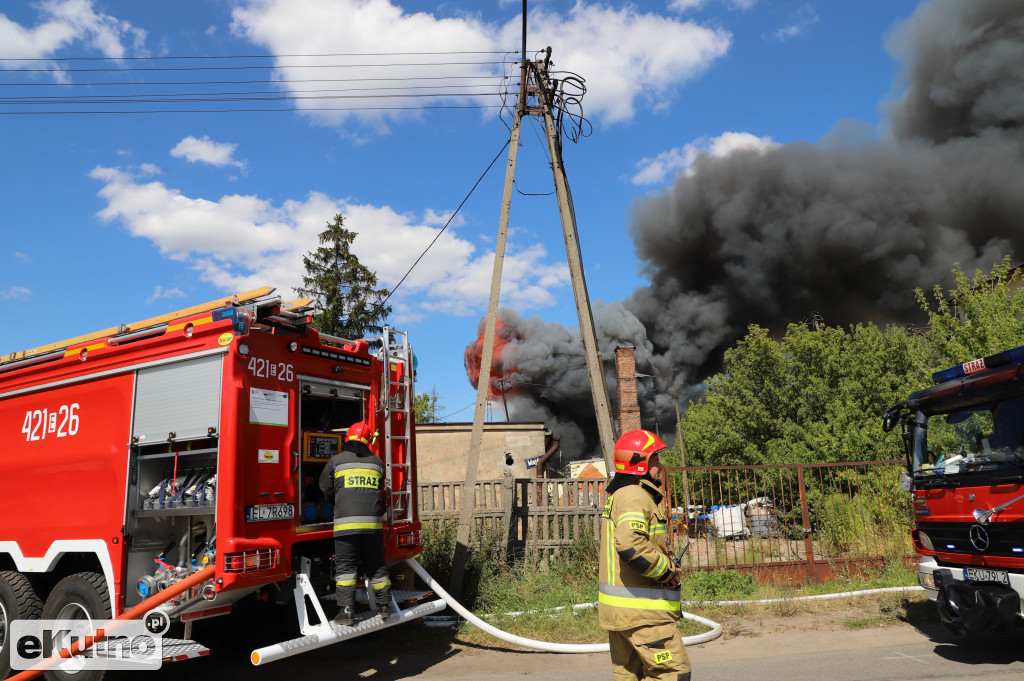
(18, 601)
(82, 595)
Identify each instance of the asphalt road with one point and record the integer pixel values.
(900, 652)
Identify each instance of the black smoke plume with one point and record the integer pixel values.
(848, 227)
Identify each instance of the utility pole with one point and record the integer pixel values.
(595, 369)
(467, 500)
(533, 84)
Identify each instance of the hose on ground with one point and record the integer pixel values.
(716, 628)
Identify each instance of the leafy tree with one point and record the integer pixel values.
(427, 406)
(813, 396)
(980, 316)
(818, 396)
(348, 301)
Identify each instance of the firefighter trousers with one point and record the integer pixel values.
(649, 653)
(358, 555)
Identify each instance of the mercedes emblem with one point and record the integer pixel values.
(979, 537)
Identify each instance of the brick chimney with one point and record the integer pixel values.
(629, 407)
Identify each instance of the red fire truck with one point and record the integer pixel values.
(964, 440)
(134, 456)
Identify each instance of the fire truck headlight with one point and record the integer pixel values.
(293, 346)
(926, 579)
(925, 540)
(243, 349)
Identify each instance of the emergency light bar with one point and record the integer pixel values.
(978, 365)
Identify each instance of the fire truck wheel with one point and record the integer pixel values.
(81, 596)
(18, 601)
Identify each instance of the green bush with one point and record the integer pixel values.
(714, 585)
(483, 559)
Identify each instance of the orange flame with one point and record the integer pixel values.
(503, 334)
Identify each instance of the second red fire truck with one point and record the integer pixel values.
(964, 440)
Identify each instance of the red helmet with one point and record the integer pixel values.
(634, 449)
(360, 430)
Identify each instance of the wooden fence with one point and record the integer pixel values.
(538, 517)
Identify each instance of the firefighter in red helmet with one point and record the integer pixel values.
(638, 594)
(356, 476)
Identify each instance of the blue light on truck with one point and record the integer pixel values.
(1016, 550)
(976, 365)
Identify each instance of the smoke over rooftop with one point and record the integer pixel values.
(847, 227)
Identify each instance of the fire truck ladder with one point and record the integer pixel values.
(398, 399)
(253, 300)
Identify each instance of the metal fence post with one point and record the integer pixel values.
(806, 522)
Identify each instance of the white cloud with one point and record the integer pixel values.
(241, 242)
(150, 169)
(63, 23)
(655, 170)
(628, 58)
(205, 150)
(432, 218)
(160, 292)
(686, 5)
(803, 18)
(24, 257)
(15, 292)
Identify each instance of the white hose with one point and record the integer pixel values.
(819, 597)
(716, 628)
(715, 632)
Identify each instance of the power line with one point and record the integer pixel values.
(254, 82)
(269, 98)
(254, 56)
(46, 98)
(452, 217)
(282, 110)
(275, 66)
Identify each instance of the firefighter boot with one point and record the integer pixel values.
(381, 586)
(346, 616)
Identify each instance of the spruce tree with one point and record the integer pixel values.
(348, 301)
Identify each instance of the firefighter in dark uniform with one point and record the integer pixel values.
(638, 593)
(356, 476)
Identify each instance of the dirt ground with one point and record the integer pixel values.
(846, 614)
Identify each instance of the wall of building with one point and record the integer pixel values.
(442, 450)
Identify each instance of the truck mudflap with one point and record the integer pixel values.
(976, 607)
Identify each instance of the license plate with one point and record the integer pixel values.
(263, 512)
(986, 575)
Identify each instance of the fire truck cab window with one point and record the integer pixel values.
(973, 439)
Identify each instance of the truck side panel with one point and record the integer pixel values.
(63, 466)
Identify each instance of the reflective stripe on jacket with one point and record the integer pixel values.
(634, 553)
(356, 476)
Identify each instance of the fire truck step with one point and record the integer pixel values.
(326, 634)
(178, 649)
(400, 595)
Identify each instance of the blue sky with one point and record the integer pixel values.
(108, 219)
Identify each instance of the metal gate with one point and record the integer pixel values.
(801, 522)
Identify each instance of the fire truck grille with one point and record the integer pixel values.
(1003, 539)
